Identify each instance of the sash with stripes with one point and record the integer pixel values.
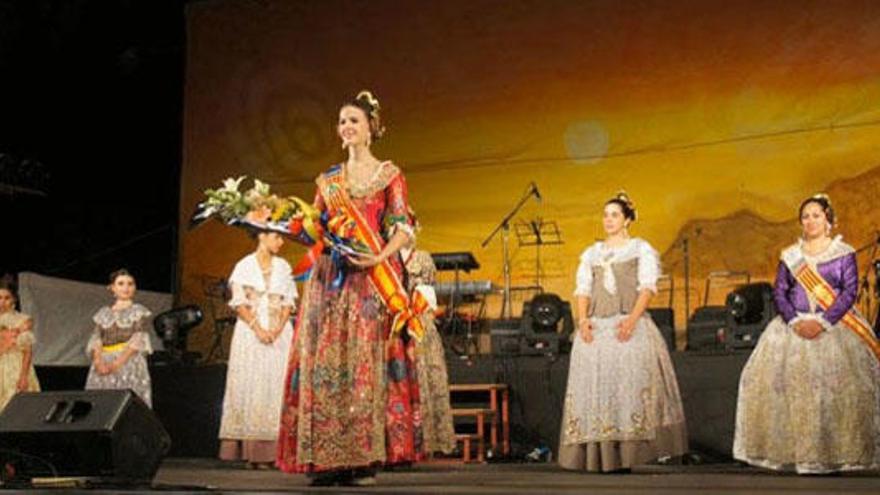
(824, 295)
(349, 223)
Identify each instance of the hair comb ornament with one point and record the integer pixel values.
(372, 101)
(376, 127)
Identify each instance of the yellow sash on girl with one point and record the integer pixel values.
(115, 347)
(824, 295)
(348, 220)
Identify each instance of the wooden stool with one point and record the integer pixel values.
(492, 389)
(466, 439)
(479, 415)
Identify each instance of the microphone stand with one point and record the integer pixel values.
(864, 286)
(685, 250)
(504, 228)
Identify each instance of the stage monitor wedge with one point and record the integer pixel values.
(110, 435)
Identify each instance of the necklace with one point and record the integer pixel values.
(361, 186)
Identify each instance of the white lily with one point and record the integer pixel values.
(261, 187)
(231, 184)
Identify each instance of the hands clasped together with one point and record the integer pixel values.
(625, 329)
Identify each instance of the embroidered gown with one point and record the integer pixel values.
(115, 331)
(255, 371)
(13, 341)
(436, 412)
(622, 405)
(812, 406)
(351, 396)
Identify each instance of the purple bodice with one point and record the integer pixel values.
(841, 273)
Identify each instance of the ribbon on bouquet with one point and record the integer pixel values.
(346, 225)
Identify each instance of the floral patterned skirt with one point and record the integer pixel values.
(351, 396)
(812, 406)
(436, 411)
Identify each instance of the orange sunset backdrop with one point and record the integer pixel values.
(717, 117)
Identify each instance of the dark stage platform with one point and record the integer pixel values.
(194, 475)
(188, 399)
(708, 383)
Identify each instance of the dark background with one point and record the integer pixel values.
(91, 98)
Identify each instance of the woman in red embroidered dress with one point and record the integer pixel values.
(351, 394)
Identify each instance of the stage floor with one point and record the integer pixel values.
(516, 479)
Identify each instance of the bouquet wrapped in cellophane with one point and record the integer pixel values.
(257, 209)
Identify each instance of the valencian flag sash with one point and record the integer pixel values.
(824, 295)
(349, 224)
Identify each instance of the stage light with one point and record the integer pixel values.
(543, 330)
(546, 326)
(750, 308)
(546, 312)
(173, 325)
(738, 324)
(749, 304)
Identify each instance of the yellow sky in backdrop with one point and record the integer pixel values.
(698, 109)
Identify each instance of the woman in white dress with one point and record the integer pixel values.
(622, 405)
(809, 397)
(263, 295)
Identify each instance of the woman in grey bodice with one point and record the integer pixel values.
(622, 404)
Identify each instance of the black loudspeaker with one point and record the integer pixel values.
(505, 335)
(707, 328)
(106, 434)
(664, 318)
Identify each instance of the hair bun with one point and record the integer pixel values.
(822, 197)
(372, 107)
(624, 198)
(371, 100)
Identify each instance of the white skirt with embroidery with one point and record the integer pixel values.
(812, 406)
(620, 391)
(254, 392)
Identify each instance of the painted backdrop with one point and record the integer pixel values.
(716, 116)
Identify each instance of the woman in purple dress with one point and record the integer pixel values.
(809, 397)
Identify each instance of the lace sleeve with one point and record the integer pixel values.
(584, 276)
(140, 341)
(649, 267)
(239, 296)
(94, 341)
(140, 338)
(25, 339)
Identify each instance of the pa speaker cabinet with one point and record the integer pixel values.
(107, 434)
(707, 328)
(664, 318)
(506, 335)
